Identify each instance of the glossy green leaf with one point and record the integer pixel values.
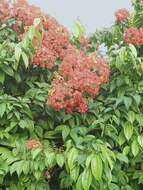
(2, 77)
(131, 116)
(127, 102)
(135, 147)
(79, 183)
(140, 140)
(74, 173)
(25, 59)
(128, 130)
(8, 70)
(2, 109)
(18, 53)
(50, 158)
(60, 159)
(122, 158)
(72, 156)
(97, 167)
(133, 50)
(65, 132)
(137, 98)
(36, 152)
(86, 179)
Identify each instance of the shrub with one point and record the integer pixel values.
(64, 124)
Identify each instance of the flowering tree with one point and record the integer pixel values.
(64, 124)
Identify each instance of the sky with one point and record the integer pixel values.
(94, 14)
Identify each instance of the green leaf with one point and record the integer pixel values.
(122, 158)
(126, 150)
(97, 167)
(31, 32)
(26, 167)
(8, 70)
(23, 124)
(74, 173)
(1, 177)
(118, 101)
(79, 183)
(17, 167)
(7, 155)
(113, 186)
(50, 158)
(72, 156)
(2, 109)
(133, 50)
(108, 154)
(60, 159)
(2, 77)
(121, 138)
(13, 186)
(140, 140)
(18, 53)
(37, 21)
(128, 131)
(88, 160)
(65, 132)
(86, 179)
(139, 118)
(79, 29)
(135, 148)
(127, 102)
(25, 59)
(17, 77)
(36, 152)
(26, 124)
(131, 116)
(137, 98)
(116, 119)
(37, 174)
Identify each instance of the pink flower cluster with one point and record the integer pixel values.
(33, 144)
(79, 78)
(122, 15)
(54, 46)
(134, 36)
(56, 38)
(84, 43)
(63, 96)
(4, 11)
(24, 12)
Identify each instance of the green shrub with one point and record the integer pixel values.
(44, 149)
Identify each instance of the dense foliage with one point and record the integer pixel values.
(64, 124)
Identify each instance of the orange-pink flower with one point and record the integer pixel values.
(33, 144)
(122, 15)
(134, 36)
(79, 77)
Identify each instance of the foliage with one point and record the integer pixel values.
(45, 149)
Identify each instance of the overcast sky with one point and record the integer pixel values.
(94, 14)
